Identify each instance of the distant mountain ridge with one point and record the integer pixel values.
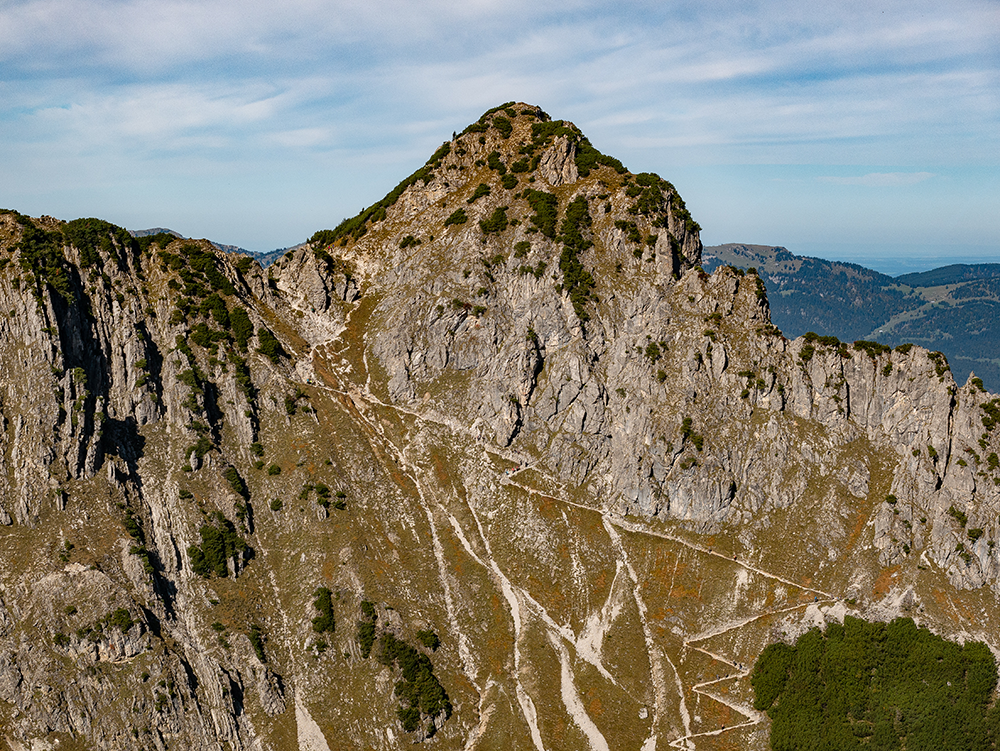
(264, 258)
(952, 274)
(951, 309)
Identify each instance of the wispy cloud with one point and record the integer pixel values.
(880, 179)
(148, 85)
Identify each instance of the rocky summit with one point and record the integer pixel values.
(492, 465)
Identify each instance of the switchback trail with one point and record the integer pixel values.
(520, 601)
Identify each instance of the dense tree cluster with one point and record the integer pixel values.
(875, 686)
(419, 691)
(219, 543)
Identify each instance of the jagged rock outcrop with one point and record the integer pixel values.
(478, 467)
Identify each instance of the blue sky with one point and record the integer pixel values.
(867, 131)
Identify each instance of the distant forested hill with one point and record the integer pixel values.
(954, 309)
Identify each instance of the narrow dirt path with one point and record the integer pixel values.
(519, 600)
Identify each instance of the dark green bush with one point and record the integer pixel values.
(481, 190)
(232, 476)
(872, 349)
(43, 262)
(419, 688)
(496, 222)
(324, 622)
(219, 543)
(577, 281)
(457, 217)
(504, 126)
(323, 238)
(991, 416)
(366, 628)
(257, 638)
(133, 528)
(546, 208)
(121, 619)
(494, 163)
(270, 347)
(429, 639)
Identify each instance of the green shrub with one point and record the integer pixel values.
(687, 433)
(458, 216)
(481, 190)
(133, 528)
(509, 181)
(940, 363)
(872, 349)
(991, 418)
(521, 249)
(273, 470)
(242, 328)
(323, 238)
(219, 543)
(504, 126)
(429, 639)
(546, 206)
(324, 622)
(366, 628)
(120, 619)
(494, 163)
(232, 476)
(577, 281)
(419, 690)
(270, 347)
(257, 638)
(496, 222)
(200, 447)
(277, 504)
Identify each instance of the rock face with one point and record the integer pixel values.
(493, 464)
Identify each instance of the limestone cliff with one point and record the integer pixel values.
(492, 464)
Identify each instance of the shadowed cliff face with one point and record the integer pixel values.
(493, 464)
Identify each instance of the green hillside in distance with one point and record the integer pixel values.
(952, 309)
(951, 274)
